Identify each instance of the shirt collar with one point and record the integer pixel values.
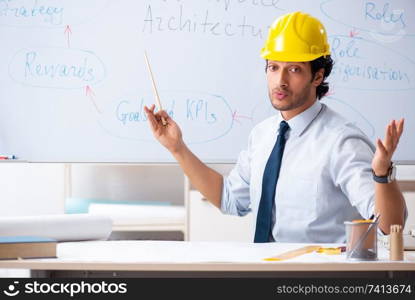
(300, 122)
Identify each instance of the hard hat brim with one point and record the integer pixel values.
(294, 57)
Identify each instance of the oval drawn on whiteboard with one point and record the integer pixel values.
(202, 117)
(387, 18)
(365, 65)
(62, 68)
(351, 114)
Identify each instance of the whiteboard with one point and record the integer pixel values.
(73, 79)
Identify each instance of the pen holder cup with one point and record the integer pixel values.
(361, 240)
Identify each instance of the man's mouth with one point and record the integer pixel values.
(280, 95)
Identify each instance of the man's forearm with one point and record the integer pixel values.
(205, 180)
(390, 204)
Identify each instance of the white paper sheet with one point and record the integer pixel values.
(191, 252)
(71, 227)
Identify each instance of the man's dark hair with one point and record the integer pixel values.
(326, 63)
(323, 62)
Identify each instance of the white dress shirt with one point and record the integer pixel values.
(325, 176)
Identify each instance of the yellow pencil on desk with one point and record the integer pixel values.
(293, 253)
(156, 94)
(332, 250)
(305, 250)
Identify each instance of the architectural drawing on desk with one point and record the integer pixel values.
(202, 117)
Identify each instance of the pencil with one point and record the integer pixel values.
(156, 94)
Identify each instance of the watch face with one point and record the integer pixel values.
(392, 175)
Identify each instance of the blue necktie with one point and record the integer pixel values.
(269, 183)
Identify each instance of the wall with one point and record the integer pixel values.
(408, 173)
(31, 189)
(160, 183)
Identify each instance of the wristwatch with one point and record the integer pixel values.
(388, 178)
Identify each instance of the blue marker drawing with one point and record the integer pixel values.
(351, 113)
(356, 66)
(49, 14)
(383, 18)
(376, 12)
(53, 67)
(22, 11)
(203, 117)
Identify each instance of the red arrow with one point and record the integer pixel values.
(68, 32)
(353, 33)
(90, 93)
(236, 117)
(328, 94)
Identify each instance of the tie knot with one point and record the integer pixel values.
(283, 127)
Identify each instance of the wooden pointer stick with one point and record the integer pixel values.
(156, 94)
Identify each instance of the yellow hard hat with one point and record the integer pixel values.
(296, 36)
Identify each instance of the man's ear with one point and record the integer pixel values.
(318, 77)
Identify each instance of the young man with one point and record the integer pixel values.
(306, 170)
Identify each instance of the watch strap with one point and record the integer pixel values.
(387, 178)
(380, 179)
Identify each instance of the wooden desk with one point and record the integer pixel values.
(138, 259)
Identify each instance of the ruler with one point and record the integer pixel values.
(293, 253)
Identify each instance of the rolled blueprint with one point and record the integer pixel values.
(63, 227)
(125, 214)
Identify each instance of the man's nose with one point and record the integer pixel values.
(282, 79)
